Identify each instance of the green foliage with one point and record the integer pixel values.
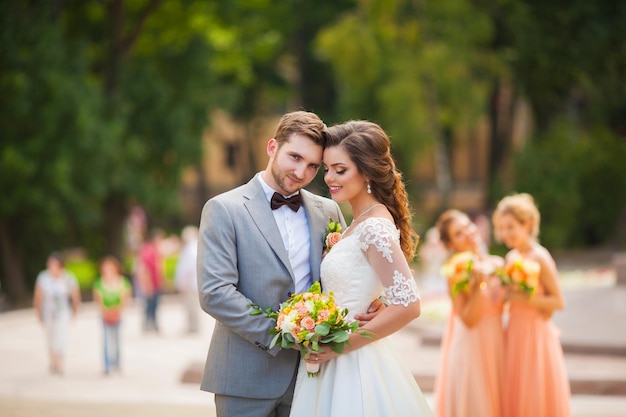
(54, 129)
(578, 182)
(418, 69)
(262, 57)
(602, 185)
(92, 122)
(570, 50)
(85, 272)
(547, 170)
(89, 129)
(169, 267)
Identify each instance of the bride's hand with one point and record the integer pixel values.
(324, 355)
(374, 309)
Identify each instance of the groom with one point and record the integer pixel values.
(259, 243)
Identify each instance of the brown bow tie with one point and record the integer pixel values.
(294, 202)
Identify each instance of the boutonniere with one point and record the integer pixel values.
(332, 235)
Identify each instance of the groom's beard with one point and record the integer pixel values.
(280, 178)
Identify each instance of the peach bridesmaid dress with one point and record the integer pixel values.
(536, 384)
(469, 383)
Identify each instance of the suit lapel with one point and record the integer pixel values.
(259, 209)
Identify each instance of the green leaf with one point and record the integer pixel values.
(339, 337)
(275, 340)
(337, 348)
(322, 329)
(315, 345)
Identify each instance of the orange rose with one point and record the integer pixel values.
(300, 308)
(524, 273)
(332, 239)
(532, 281)
(458, 271)
(307, 323)
(295, 332)
(517, 275)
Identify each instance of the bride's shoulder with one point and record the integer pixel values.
(377, 226)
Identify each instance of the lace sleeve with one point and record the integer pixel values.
(380, 241)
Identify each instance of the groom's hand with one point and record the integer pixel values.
(374, 309)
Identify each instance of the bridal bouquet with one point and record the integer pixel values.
(308, 320)
(522, 274)
(459, 269)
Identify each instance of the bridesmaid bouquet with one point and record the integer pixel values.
(522, 274)
(308, 320)
(459, 269)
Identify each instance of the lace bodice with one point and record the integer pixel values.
(368, 263)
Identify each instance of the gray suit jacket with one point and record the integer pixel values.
(242, 259)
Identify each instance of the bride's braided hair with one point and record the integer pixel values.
(368, 146)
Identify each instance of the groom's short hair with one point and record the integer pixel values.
(301, 123)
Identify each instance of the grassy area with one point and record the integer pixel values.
(86, 270)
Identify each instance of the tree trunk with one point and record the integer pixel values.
(123, 37)
(116, 20)
(617, 239)
(123, 41)
(114, 223)
(13, 265)
(500, 130)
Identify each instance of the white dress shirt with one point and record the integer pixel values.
(294, 229)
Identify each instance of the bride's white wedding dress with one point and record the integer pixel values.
(373, 380)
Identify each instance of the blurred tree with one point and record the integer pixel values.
(569, 179)
(266, 64)
(568, 58)
(51, 148)
(267, 49)
(420, 69)
(104, 103)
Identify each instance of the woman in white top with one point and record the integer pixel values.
(56, 298)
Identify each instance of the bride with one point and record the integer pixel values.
(369, 378)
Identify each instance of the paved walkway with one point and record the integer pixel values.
(150, 384)
(153, 365)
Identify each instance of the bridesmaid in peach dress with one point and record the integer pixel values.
(470, 379)
(536, 384)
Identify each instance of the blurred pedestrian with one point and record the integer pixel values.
(111, 293)
(536, 384)
(56, 298)
(469, 382)
(185, 278)
(150, 278)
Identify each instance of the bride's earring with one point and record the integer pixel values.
(369, 189)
